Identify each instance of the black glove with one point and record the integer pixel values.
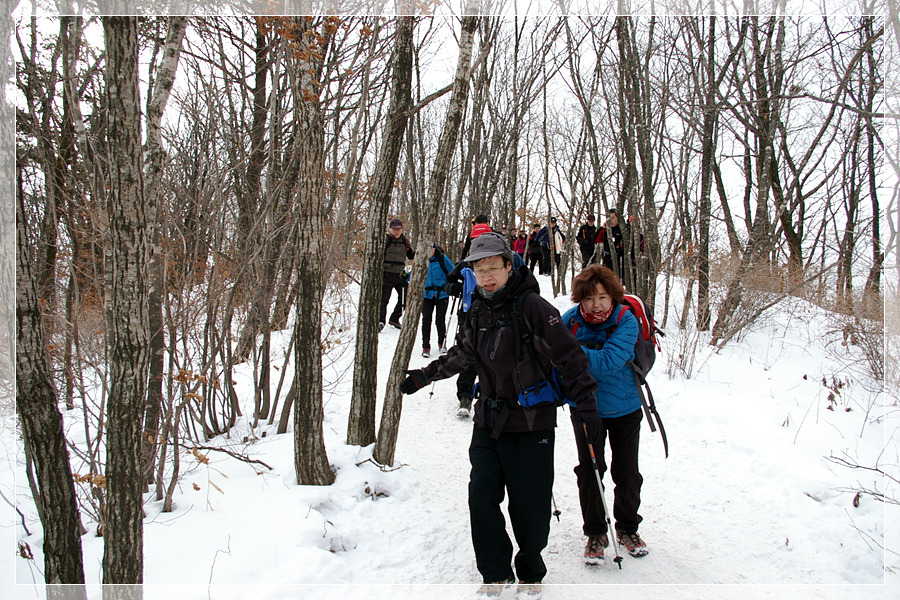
(453, 288)
(414, 382)
(592, 424)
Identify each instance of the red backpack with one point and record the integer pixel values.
(647, 345)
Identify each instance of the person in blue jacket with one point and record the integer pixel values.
(436, 300)
(607, 332)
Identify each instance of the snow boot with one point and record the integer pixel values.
(492, 591)
(394, 323)
(465, 406)
(380, 326)
(528, 591)
(633, 543)
(593, 550)
(426, 352)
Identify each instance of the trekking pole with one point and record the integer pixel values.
(618, 558)
(556, 511)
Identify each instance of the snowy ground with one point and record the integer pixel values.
(746, 506)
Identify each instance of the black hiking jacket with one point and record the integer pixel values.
(492, 344)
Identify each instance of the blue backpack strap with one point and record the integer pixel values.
(469, 284)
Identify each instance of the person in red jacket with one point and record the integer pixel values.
(481, 225)
(520, 244)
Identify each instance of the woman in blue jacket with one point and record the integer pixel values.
(436, 300)
(607, 331)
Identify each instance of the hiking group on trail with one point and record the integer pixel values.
(528, 360)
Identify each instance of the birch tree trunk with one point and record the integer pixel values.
(155, 157)
(127, 316)
(386, 444)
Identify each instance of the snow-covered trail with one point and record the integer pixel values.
(731, 505)
(746, 506)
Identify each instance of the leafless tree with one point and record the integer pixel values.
(42, 426)
(361, 421)
(387, 435)
(128, 320)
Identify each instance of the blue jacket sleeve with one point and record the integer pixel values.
(619, 348)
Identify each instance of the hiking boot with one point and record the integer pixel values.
(493, 590)
(426, 352)
(380, 326)
(633, 543)
(528, 591)
(593, 550)
(465, 406)
(394, 323)
(444, 348)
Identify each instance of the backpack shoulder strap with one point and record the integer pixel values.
(442, 265)
(524, 336)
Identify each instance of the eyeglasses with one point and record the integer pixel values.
(482, 273)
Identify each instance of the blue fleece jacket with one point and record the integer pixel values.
(617, 393)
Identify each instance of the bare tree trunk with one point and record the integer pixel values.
(873, 282)
(42, 426)
(386, 444)
(310, 458)
(708, 144)
(128, 326)
(361, 422)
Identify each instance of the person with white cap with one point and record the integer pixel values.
(511, 451)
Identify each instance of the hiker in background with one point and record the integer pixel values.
(534, 249)
(559, 238)
(511, 451)
(611, 229)
(607, 331)
(520, 245)
(543, 237)
(396, 251)
(436, 300)
(585, 238)
(480, 225)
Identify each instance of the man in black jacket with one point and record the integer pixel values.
(512, 446)
(396, 251)
(585, 238)
(612, 230)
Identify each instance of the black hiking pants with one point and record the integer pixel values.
(587, 252)
(522, 465)
(624, 438)
(545, 260)
(438, 307)
(534, 258)
(392, 281)
(465, 383)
